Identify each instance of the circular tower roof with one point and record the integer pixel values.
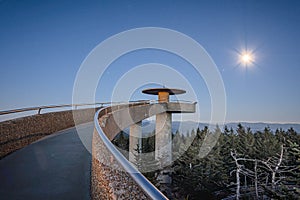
(171, 91)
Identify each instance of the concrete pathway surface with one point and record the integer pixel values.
(56, 167)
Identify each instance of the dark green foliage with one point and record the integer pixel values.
(292, 174)
(121, 141)
(145, 159)
(212, 176)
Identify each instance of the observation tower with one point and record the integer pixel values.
(163, 129)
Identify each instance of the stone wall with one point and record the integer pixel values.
(108, 179)
(20, 132)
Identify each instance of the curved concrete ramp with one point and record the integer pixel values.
(56, 167)
(116, 118)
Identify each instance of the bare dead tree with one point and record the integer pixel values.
(237, 173)
(273, 168)
(270, 166)
(256, 179)
(273, 165)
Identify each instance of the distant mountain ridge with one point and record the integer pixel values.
(187, 126)
(259, 126)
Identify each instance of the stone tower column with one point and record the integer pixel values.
(163, 133)
(163, 145)
(135, 140)
(163, 138)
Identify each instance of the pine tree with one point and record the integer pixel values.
(290, 186)
(121, 141)
(146, 163)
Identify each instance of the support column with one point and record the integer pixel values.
(163, 138)
(163, 150)
(163, 96)
(135, 140)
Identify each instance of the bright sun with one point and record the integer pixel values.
(246, 58)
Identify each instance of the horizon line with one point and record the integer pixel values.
(228, 122)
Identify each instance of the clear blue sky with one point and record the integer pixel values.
(43, 43)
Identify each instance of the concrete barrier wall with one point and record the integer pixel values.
(108, 179)
(20, 132)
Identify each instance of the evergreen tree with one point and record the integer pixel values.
(258, 156)
(291, 184)
(121, 141)
(146, 163)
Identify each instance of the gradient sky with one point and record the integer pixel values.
(43, 43)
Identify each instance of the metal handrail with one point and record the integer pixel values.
(39, 108)
(150, 190)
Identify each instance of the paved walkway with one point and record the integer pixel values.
(56, 167)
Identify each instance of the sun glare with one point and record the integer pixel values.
(246, 58)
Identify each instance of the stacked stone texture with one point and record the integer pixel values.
(20, 132)
(108, 178)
